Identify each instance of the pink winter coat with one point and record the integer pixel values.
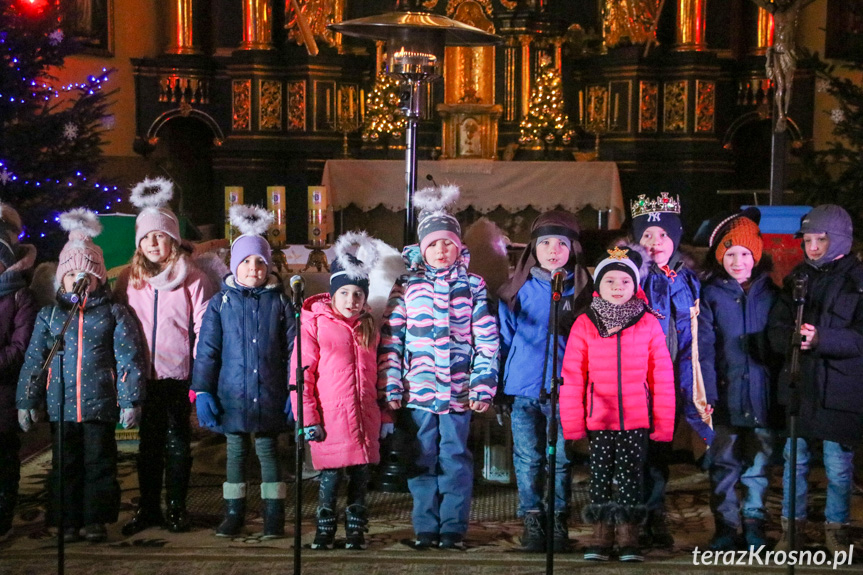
(341, 387)
(624, 381)
(169, 319)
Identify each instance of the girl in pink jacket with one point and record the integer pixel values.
(618, 390)
(168, 295)
(343, 409)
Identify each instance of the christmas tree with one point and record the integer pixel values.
(383, 116)
(835, 174)
(50, 135)
(545, 120)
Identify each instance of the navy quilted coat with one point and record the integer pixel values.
(243, 351)
(102, 367)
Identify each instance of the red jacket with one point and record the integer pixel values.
(624, 381)
(341, 391)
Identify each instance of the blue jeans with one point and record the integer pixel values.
(839, 465)
(530, 426)
(739, 454)
(444, 486)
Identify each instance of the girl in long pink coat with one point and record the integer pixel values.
(343, 411)
(618, 389)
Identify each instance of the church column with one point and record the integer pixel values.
(691, 15)
(257, 25)
(180, 22)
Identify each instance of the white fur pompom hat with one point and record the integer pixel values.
(152, 197)
(356, 257)
(80, 253)
(435, 222)
(252, 221)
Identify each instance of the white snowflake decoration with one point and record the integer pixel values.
(821, 85)
(55, 37)
(70, 131)
(837, 115)
(5, 176)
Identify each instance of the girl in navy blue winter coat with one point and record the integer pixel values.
(100, 384)
(526, 351)
(738, 370)
(241, 371)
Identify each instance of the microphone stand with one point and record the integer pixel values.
(59, 350)
(551, 451)
(799, 296)
(299, 455)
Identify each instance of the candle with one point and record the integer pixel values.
(581, 106)
(616, 108)
(362, 104)
(276, 204)
(233, 195)
(351, 94)
(328, 104)
(318, 198)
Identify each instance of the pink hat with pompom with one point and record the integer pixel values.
(80, 253)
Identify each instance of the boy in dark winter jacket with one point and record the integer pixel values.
(17, 314)
(99, 384)
(737, 365)
(619, 391)
(672, 290)
(241, 371)
(526, 355)
(439, 356)
(831, 362)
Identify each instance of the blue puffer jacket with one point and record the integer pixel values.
(102, 367)
(676, 298)
(525, 335)
(734, 352)
(243, 350)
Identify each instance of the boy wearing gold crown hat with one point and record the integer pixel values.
(673, 290)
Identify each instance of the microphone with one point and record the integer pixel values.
(557, 277)
(79, 289)
(297, 286)
(801, 285)
(431, 179)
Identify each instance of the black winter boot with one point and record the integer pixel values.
(356, 524)
(562, 543)
(235, 510)
(273, 500)
(533, 536)
(144, 518)
(176, 489)
(326, 531)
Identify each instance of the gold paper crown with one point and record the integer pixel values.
(663, 204)
(618, 254)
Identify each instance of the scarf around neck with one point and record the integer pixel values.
(611, 318)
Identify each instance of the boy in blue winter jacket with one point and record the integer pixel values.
(738, 368)
(526, 355)
(439, 356)
(673, 291)
(101, 383)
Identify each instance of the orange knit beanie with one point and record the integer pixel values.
(740, 231)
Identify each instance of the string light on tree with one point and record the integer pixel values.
(546, 120)
(383, 116)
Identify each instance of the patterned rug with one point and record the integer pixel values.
(493, 538)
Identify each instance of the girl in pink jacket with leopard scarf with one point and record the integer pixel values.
(344, 412)
(618, 389)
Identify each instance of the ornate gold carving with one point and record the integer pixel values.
(190, 89)
(319, 14)
(705, 105)
(297, 106)
(525, 73)
(509, 4)
(270, 105)
(597, 109)
(629, 20)
(469, 130)
(430, 4)
(648, 109)
(509, 72)
(674, 102)
(469, 72)
(453, 5)
(241, 105)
